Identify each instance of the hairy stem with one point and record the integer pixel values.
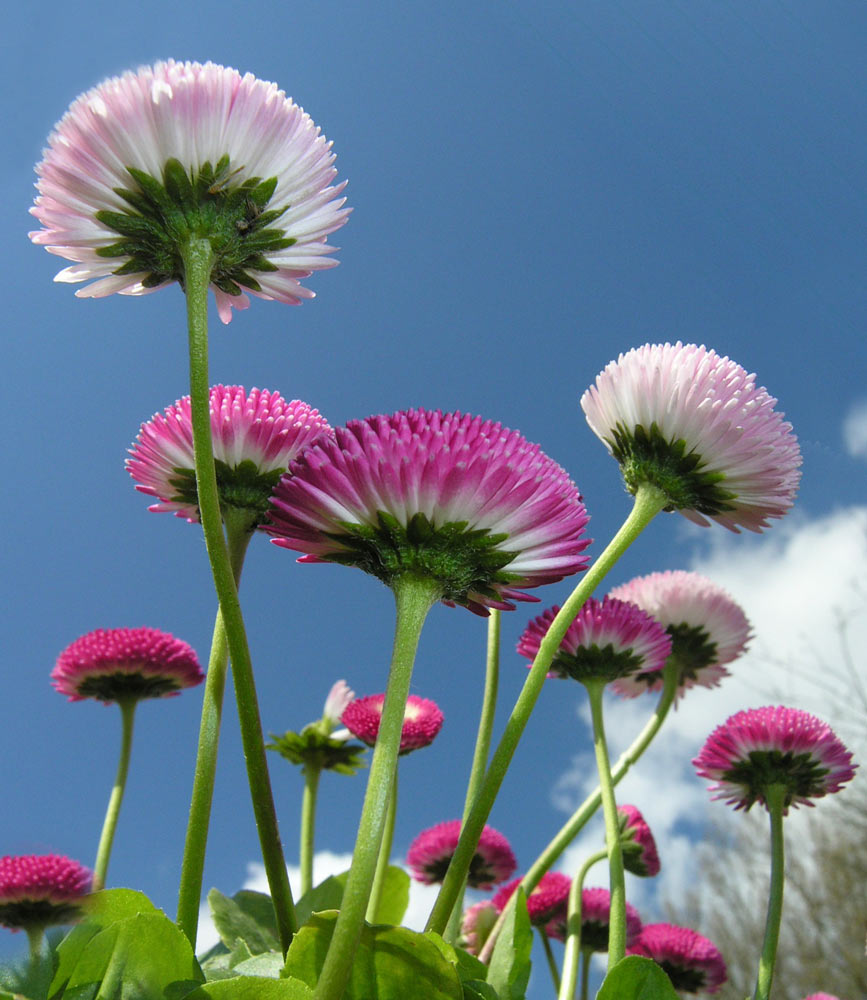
(103, 852)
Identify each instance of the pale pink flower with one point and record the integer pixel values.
(37, 890)
(761, 747)
(125, 664)
(446, 497)
(692, 963)
(254, 437)
(694, 425)
(476, 925)
(708, 628)
(114, 171)
(431, 852)
(422, 721)
(337, 701)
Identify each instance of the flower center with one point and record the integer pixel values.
(165, 214)
(37, 913)
(589, 663)
(122, 686)
(800, 773)
(646, 457)
(684, 979)
(463, 561)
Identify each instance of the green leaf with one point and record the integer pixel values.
(252, 988)
(636, 978)
(477, 989)
(509, 971)
(268, 965)
(248, 916)
(328, 895)
(395, 897)
(102, 909)
(137, 958)
(468, 966)
(391, 963)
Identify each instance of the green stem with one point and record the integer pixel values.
(384, 856)
(775, 796)
(617, 915)
(586, 956)
(312, 773)
(193, 865)
(648, 503)
(414, 598)
(549, 955)
(36, 940)
(573, 928)
(198, 261)
(109, 825)
(573, 826)
(482, 748)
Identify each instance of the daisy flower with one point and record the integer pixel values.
(692, 963)
(639, 848)
(422, 720)
(431, 852)
(37, 890)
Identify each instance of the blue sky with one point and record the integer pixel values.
(536, 188)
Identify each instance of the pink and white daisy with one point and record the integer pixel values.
(431, 852)
(422, 721)
(125, 665)
(37, 890)
(691, 962)
(695, 426)
(821, 996)
(255, 436)
(608, 639)
(595, 919)
(145, 159)
(547, 904)
(761, 747)
(338, 700)
(707, 627)
(476, 925)
(639, 847)
(446, 497)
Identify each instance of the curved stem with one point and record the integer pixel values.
(552, 962)
(648, 503)
(193, 865)
(198, 261)
(414, 598)
(775, 796)
(573, 928)
(384, 856)
(482, 749)
(577, 821)
(617, 914)
(109, 825)
(312, 773)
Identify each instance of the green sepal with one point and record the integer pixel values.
(313, 748)
(391, 963)
(636, 978)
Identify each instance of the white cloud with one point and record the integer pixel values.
(796, 584)
(855, 429)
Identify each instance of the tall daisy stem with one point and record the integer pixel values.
(648, 503)
(482, 748)
(312, 774)
(586, 956)
(36, 940)
(579, 819)
(552, 961)
(617, 918)
(384, 856)
(573, 929)
(775, 797)
(414, 598)
(109, 825)
(198, 262)
(193, 865)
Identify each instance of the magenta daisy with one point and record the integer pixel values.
(595, 918)
(422, 720)
(761, 747)
(451, 498)
(608, 639)
(707, 628)
(821, 996)
(37, 890)
(143, 161)
(692, 963)
(431, 852)
(476, 926)
(255, 436)
(546, 904)
(639, 848)
(125, 665)
(695, 426)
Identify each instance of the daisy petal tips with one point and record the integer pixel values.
(695, 426)
(452, 498)
(179, 148)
